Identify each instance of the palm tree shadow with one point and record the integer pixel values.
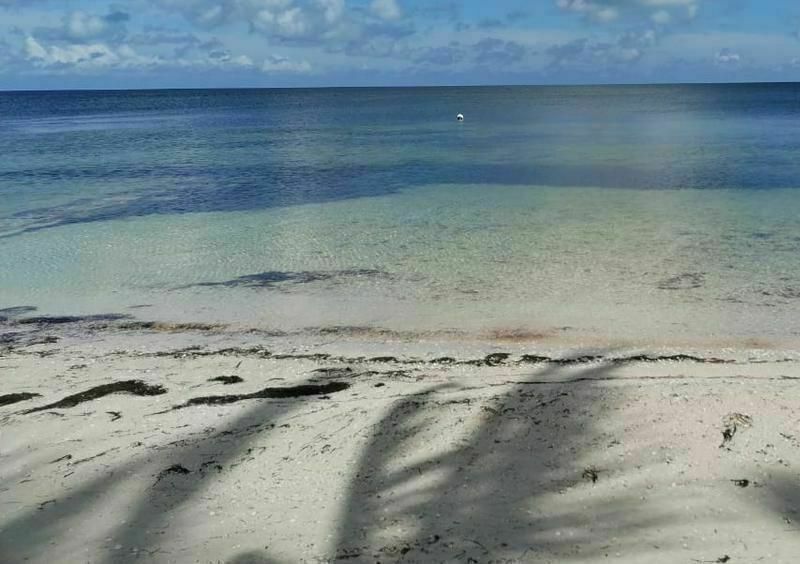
(505, 488)
(148, 522)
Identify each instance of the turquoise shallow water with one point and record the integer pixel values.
(657, 214)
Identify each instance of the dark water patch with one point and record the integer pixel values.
(46, 320)
(134, 387)
(686, 281)
(9, 399)
(227, 380)
(252, 186)
(280, 279)
(304, 390)
(16, 310)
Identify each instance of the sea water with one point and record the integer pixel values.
(664, 214)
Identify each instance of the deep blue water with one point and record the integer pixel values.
(184, 151)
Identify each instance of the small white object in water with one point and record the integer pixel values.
(460, 117)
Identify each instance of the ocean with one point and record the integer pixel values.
(659, 215)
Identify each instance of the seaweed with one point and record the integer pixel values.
(8, 399)
(135, 387)
(227, 380)
(270, 393)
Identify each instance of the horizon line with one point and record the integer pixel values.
(405, 86)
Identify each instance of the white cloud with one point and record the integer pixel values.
(89, 57)
(727, 57)
(276, 63)
(610, 10)
(661, 17)
(80, 25)
(333, 10)
(386, 9)
(83, 56)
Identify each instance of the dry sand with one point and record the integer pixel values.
(336, 457)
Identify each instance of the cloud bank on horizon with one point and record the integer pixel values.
(207, 43)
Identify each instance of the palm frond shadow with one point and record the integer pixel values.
(145, 525)
(498, 490)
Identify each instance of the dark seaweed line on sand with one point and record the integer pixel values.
(10, 399)
(134, 387)
(494, 359)
(304, 390)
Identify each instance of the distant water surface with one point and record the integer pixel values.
(660, 214)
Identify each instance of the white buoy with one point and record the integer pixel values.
(460, 117)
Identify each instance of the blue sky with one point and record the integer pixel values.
(262, 43)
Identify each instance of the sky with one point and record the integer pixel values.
(55, 44)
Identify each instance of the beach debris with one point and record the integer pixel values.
(174, 469)
(591, 473)
(742, 482)
(8, 399)
(66, 457)
(379, 385)
(163, 327)
(98, 455)
(443, 360)
(270, 393)
(114, 415)
(791, 438)
(227, 380)
(134, 387)
(493, 359)
(383, 359)
(732, 422)
(537, 359)
(333, 372)
(204, 467)
(44, 504)
(721, 560)
(197, 352)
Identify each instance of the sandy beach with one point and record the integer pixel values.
(135, 442)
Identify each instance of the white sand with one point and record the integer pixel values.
(415, 462)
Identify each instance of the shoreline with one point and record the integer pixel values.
(175, 444)
(20, 332)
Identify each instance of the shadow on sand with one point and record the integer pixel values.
(499, 482)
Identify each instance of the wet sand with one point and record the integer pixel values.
(126, 442)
